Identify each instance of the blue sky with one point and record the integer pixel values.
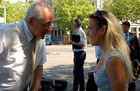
(14, 1)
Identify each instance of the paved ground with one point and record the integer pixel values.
(59, 64)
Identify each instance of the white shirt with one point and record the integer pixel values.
(15, 56)
(83, 39)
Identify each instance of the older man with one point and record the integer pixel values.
(18, 66)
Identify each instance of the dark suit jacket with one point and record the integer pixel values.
(134, 46)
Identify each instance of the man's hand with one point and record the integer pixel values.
(71, 42)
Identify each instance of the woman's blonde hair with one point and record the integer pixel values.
(114, 39)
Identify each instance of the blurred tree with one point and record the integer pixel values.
(67, 10)
(14, 11)
(124, 9)
(1, 12)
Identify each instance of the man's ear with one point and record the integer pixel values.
(30, 21)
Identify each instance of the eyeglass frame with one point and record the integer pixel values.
(45, 24)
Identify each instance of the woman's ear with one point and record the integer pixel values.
(104, 29)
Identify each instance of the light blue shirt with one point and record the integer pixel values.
(98, 52)
(101, 77)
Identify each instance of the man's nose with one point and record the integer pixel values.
(49, 29)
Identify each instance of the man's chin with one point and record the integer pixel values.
(41, 37)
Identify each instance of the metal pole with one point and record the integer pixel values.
(3, 19)
(100, 4)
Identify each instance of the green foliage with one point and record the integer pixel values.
(14, 11)
(67, 10)
(124, 9)
(1, 12)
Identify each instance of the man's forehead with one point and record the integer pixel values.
(47, 14)
(125, 25)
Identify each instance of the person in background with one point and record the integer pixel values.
(79, 49)
(139, 42)
(16, 44)
(98, 53)
(91, 82)
(133, 44)
(114, 70)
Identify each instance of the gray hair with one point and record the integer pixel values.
(35, 10)
(77, 22)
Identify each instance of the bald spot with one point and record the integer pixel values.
(47, 13)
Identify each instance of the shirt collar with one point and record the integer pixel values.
(125, 33)
(78, 29)
(28, 33)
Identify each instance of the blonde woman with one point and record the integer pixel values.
(114, 70)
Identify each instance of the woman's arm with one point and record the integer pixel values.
(116, 73)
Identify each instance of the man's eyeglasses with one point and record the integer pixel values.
(48, 24)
